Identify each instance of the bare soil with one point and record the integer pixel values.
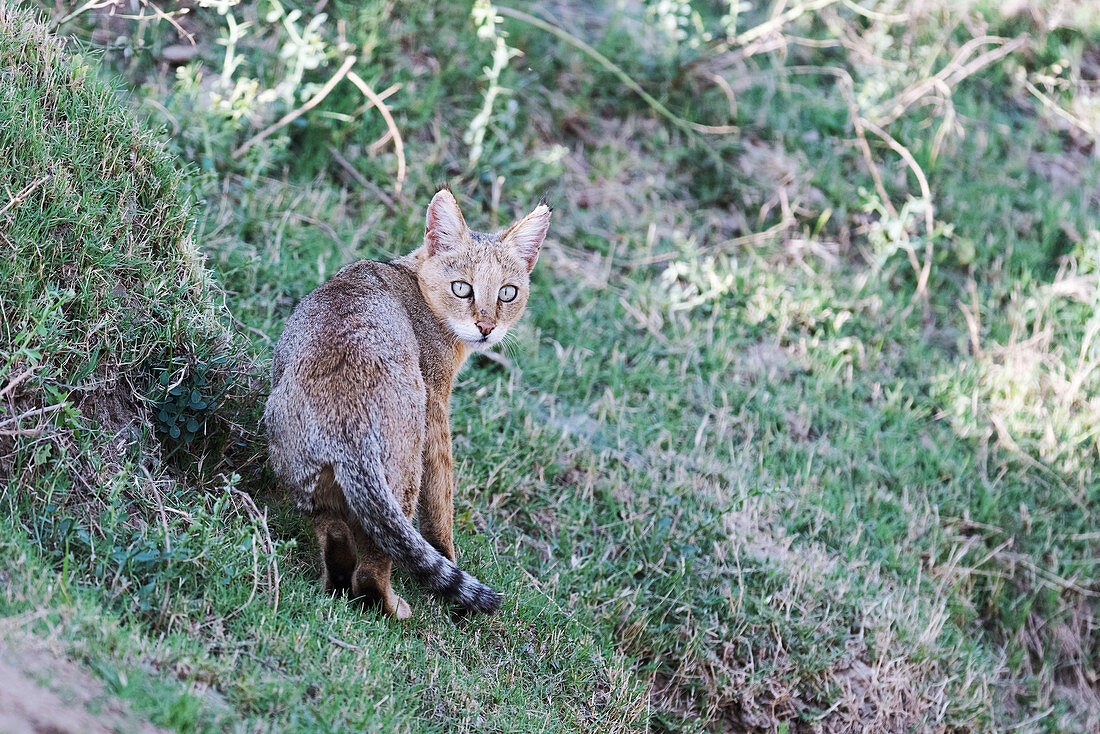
(45, 692)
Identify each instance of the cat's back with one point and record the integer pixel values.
(352, 335)
(347, 371)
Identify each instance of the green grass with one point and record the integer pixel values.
(733, 474)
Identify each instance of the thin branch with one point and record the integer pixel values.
(161, 15)
(253, 329)
(363, 180)
(847, 87)
(22, 432)
(90, 5)
(346, 165)
(926, 193)
(384, 94)
(340, 643)
(376, 147)
(861, 125)
(1060, 111)
(688, 125)
(950, 75)
(399, 146)
(22, 195)
(21, 377)
(31, 413)
(254, 511)
(771, 25)
(295, 114)
(255, 584)
(875, 15)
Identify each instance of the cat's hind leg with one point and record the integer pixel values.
(371, 581)
(337, 551)
(334, 537)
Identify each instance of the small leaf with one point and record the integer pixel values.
(145, 556)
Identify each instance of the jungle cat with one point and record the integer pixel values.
(358, 420)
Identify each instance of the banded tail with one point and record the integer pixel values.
(372, 502)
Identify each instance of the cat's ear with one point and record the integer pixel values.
(444, 226)
(526, 235)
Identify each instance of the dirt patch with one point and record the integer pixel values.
(44, 692)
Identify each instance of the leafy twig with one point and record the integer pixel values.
(486, 18)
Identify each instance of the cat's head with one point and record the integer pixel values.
(478, 283)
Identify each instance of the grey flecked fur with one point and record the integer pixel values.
(365, 420)
(358, 418)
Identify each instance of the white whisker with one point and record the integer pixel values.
(510, 344)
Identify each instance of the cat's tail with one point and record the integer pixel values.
(369, 497)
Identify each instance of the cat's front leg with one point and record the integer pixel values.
(436, 506)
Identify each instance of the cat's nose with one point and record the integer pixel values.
(485, 327)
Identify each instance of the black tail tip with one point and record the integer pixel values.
(494, 602)
(469, 593)
(484, 601)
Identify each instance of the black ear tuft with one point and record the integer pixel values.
(544, 200)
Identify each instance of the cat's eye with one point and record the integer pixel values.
(508, 293)
(462, 289)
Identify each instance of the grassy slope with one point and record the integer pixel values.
(722, 480)
(149, 578)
